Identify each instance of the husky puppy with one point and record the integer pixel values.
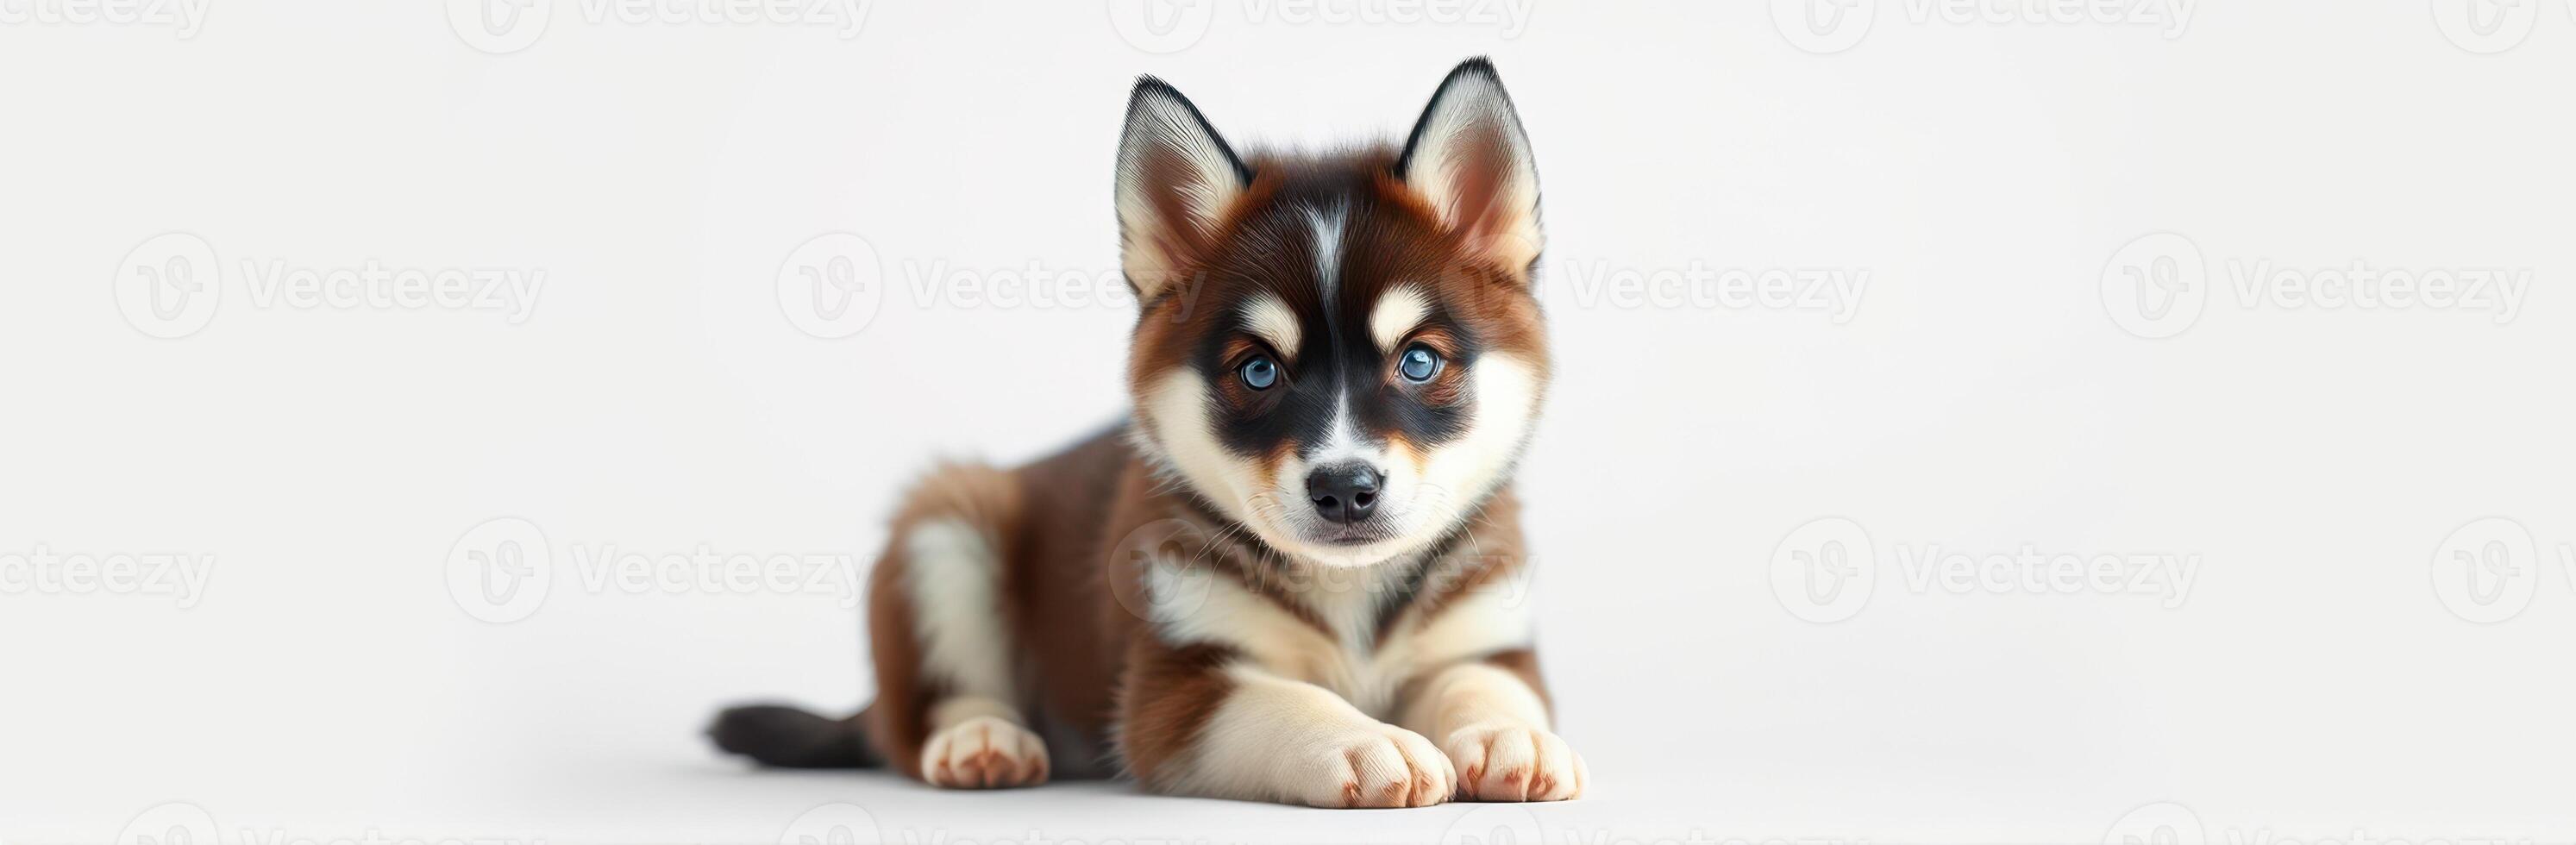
(1290, 576)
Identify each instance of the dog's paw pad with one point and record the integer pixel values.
(984, 752)
(1514, 763)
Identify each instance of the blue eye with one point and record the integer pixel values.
(1260, 373)
(1419, 363)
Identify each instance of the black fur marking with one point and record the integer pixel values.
(1338, 356)
(791, 738)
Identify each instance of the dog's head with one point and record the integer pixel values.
(1343, 353)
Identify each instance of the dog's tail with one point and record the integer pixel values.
(794, 738)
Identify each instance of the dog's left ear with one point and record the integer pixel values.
(1469, 158)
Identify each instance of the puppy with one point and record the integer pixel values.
(1291, 576)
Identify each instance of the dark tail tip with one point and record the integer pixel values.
(792, 738)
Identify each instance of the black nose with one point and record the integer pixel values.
(1344, 493)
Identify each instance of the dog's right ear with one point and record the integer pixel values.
(1176, 179)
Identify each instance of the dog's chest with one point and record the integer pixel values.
(1331, 630)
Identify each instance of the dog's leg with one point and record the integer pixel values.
(942, 638)
(1203, 721)
(1490, 717)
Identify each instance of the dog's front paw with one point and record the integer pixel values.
(1514, 762)
(1379, 766)
(984, 752)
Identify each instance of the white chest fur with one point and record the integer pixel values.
(1335, 642)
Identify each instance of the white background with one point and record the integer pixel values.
(2323, 676)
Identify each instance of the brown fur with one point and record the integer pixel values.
(982, 496)
(1095, 665)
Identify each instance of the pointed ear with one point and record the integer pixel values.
(1176, 178)
(1468, 157)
